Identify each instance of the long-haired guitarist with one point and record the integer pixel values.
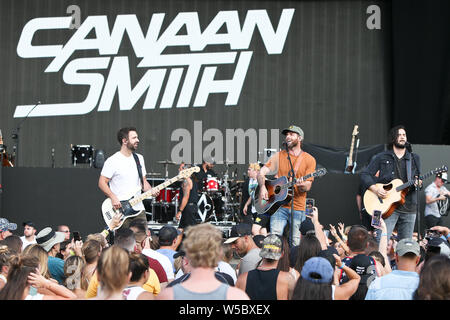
(303, 163)
(120, 175)
(397, 162)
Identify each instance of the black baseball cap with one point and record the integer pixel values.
(239, 230)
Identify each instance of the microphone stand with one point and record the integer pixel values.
(15, 136)
(291, 174)
(417, 188)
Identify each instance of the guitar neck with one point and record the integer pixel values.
(350, 154)
(411, 182)
(290, 184)
(148, 194)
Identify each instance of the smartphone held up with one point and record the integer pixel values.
(310, 204)
(376, 219)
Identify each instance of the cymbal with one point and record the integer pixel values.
(166, 162)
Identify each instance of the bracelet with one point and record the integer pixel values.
(342, 266)
(384, 234)
(105, 232)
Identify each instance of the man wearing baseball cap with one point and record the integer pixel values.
(436, 197)
(401, 283)
(302, 163)
(241, 240)
(6, 227)
(29, 234)
(267, 282)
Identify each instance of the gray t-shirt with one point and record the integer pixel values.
(434, 192)
(250, 261)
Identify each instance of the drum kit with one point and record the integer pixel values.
(219, 198)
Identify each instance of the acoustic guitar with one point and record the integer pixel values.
(278, 191)
(396, 192)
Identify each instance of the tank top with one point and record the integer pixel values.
(180, 293)
(132, 293)
(262, 284)
(193, 194)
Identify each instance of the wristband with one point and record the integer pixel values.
(447, 236)
(342, 266)
(384, 234)
(105, 232)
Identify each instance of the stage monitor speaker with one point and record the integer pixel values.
(99, 159)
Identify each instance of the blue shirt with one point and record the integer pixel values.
(397, 285)
(56, 269)
(169, 254)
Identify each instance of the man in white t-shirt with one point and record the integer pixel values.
(29, 234)
(437, 200)
(119, 179)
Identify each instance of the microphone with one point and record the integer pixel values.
(285, 145)
(408, 146)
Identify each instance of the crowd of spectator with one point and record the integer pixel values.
(204, 263)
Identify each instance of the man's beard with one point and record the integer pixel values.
(131, 147)
(292, 144)
(399, 146)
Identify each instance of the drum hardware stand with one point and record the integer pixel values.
(228, 205)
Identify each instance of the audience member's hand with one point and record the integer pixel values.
(333, 231)
(442, 230)
(115, 222)
(341, 228)
(77, 245)
(338, 260)
(37, 280)
(314, 215)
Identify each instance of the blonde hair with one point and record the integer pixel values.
(203, 245)
(73, 267)
(35, 250)
(98, 237)
(91, 249)
(113, 268)
(255, 166)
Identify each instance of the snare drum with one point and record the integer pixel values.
(168, 195)
(212, 184)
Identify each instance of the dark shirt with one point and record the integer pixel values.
(201, 176)
(390, 168)
(262, 284)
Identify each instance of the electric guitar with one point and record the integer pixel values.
(396, 192)
(350, 165)
(136, 197)
(279, 194)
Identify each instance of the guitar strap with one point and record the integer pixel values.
(139, 169)
(408, 168)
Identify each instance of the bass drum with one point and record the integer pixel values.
(205, 207)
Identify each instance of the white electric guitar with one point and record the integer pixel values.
(136, 197)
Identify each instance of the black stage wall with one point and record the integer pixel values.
(323, 65)
(50, 197)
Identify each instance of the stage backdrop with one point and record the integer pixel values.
(218, 78)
